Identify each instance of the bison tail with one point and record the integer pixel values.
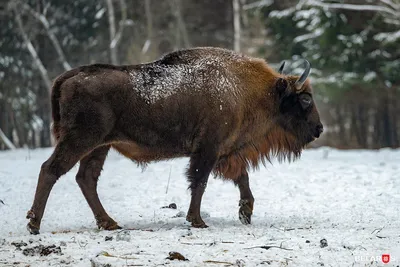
(55, 97)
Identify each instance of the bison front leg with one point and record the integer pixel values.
(246, 201)
(201, 165)
(87, 177)
(66, 154)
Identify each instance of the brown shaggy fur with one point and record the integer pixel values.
(277, 143)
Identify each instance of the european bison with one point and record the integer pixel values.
(226, 111)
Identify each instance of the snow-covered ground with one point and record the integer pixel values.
(349, 198)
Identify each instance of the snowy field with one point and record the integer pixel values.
(349, 198)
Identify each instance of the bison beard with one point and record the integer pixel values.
(226, 111)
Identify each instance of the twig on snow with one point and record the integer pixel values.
(270, 246)
(136, 229)
(291, 229)
(200, 244)
(106, 254)
(377, 230)
(219, 262)
(169, 178)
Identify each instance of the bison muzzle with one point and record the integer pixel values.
(226, 111)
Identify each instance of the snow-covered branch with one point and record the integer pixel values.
(387, 36)
(305, 37)
(391, 4)
(375, 8)
(258, 4)
(50, 34)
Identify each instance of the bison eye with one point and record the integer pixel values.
(305, 100)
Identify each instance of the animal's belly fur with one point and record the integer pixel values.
(142, 154)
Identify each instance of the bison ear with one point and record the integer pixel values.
(281, 86)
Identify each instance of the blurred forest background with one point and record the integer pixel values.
(353, 46)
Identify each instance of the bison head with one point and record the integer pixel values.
(297, 111)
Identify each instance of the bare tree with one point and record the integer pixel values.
(43, 20)
(43, 71)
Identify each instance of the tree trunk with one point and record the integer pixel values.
(112, 29)
(149, 25)
(236, 25)
(6, 141)
(387, 137)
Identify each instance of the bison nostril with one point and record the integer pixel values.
(319, 130)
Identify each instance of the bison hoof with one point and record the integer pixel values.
(197, 222)
(108, 225)
(245, 212)
(33, 230)
(244, 217)
(199, 225)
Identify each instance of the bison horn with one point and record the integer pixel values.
(281, 67)
(299, 83)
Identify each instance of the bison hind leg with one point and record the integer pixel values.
(72, 146)
(87, 178)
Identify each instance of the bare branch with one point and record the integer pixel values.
(32, 51)
(53, 38)
(6, 141)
